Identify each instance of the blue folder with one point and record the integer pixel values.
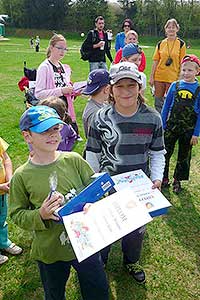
(93, 192)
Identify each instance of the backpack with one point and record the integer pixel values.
(30, 73)
(85, 52)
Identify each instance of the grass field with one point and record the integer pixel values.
(171, 253)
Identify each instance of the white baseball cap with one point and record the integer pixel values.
(124, 70)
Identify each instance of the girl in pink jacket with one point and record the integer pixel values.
(53, 77)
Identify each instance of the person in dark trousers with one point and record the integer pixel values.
(124, 136)
(32, 207)
(37, 44)
(181, 121)
(97, 44)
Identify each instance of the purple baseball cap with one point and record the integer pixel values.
(39, 119)
(97, 79)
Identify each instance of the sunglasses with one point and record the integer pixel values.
(126, 25)
(60, 48)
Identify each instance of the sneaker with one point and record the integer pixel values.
(136, 271)
(13, 249)
(165, 183)
(176, 186)
(3, 259)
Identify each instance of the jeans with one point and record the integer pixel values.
(4, 241)
(98, 65)
(91, 276)
(131, 247)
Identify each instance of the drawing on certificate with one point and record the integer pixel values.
(106, 221)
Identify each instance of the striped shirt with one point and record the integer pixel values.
(123, 143)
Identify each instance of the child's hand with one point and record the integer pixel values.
(99, 44)
(194, 140)
(67, 90)
(50, 205)
(157, 184)
(5, 187)
(86, 207)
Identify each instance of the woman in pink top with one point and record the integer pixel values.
(131, 37)
(53, 77)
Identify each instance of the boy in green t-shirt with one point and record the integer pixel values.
(32, 206)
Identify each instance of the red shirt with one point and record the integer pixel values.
(142, 65)
(101, 35)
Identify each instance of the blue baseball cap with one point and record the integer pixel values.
(131, 49)
(97, 79)
(39, 119)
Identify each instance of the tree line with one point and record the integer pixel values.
(148, 16)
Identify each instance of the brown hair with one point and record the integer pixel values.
(173, 22)
(127, 21)
(99, 18)
(55, 39)
(58, 104)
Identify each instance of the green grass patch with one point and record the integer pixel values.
(171, 255)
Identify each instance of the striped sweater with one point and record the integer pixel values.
(124, 143)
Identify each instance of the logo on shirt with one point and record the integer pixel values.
(184, 94)
(142, 131)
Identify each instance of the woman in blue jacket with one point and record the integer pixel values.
(120, 38)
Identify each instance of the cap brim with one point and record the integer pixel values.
(124, 76)
(45, 125)
(89, 90)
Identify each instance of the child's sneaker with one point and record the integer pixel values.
(176, 186)
(165, 183)
(3, 259)
(136, 271)
(13, 249)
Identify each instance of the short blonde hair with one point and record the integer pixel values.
(133, 32)
(173, 22)
(55, 39)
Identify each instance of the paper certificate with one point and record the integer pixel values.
(141, 185)
(78, 86)
(106, 221)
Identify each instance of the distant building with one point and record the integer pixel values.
(2, 24)
(2, 29)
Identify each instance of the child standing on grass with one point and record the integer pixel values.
(5, 177)
(53, 77)
(32, 206)
(68, 134)
(181, 120)
(124, 136)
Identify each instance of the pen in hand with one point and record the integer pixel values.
(53, 181)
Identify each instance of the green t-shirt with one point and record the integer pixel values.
(29, 188)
